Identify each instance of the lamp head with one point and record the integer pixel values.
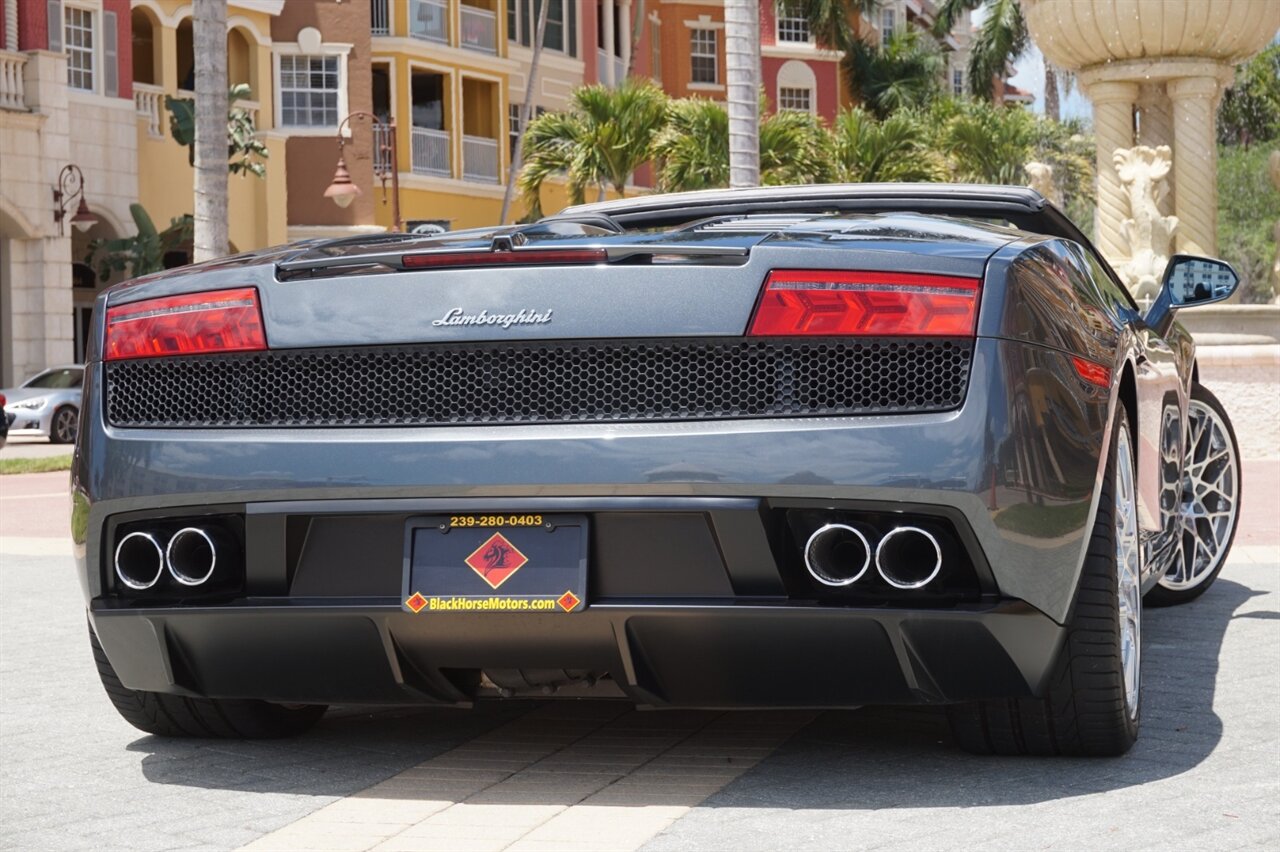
(342, 189)
(83, 220)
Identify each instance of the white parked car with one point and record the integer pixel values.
(46, 404)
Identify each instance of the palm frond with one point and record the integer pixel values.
(830, 21)
(794, 148)
(906, 73)
(1001, 39)
(950, 12)
(896, 149)
(604, 136)
(693, 149)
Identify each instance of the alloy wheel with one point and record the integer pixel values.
(64, 426)
(1128, 568)
(1210, 499)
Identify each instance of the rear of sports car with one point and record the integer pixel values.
(738, 465)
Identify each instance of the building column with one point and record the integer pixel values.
(1113, 128)
(625, 10)
(10, 25)
(1195, 163)
(610, 79)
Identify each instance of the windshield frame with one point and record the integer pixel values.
(76, 383)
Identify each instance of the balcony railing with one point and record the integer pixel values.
(602, 67)
(479, 29)
(251, 107)
(380, 18)
(431, 152)
(480, 159)
(13, 89)
(148, 100)
(429, 19)
(382, 150)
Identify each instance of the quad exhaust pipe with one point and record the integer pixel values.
(191, 557)
(908, 558)
(139, 561)
(837, 555)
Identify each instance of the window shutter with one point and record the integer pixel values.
(111, 71)
(571, 27)
(55, 25)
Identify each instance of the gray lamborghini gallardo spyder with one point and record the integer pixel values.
(819, 446)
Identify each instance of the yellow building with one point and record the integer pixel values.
(163, 64)
(453, 73)
(440, 69)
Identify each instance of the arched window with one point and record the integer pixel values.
(186, 56)
(145, 67)
(240, 60)
(797, 87)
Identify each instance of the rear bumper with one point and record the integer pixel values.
(657, 655)
(1015, 469)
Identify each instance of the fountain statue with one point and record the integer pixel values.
(1149, 234)
(1040, 178)
(1164, 64)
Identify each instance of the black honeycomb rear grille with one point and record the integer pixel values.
(536, 382)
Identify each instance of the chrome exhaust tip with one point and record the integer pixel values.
(908, 558)
(837, 555)
(139, 561)
(191, 556)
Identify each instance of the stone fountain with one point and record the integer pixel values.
(1155, 72)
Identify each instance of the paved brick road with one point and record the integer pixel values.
(571, 776)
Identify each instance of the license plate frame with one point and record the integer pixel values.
(485, 562)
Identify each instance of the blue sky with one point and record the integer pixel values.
(1029, 76)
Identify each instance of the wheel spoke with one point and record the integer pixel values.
(1208, 509)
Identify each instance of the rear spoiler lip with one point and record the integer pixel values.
(614, 253)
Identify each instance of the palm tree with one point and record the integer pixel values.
(1001, 39)
(209, 28)
(895, 149)
(692, 151)
(742, 73)
(990, 144)
(604, 136)
(526, 110)
(794, 148)
(906, 73)
(830, 20)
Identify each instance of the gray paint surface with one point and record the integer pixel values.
(1030, 435)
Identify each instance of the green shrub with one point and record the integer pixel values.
(1248, 207)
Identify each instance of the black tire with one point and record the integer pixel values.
(206, 718)
(1163, 596)
(60, 433)
(1085, 711)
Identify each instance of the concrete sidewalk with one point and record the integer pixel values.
(22, 447)
(598, 776)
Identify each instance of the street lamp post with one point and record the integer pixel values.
(70, 185)
(343, 189)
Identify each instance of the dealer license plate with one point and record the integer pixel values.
(510, 562)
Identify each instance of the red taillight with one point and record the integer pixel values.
(518, 257)
(1094, 374)
(219, 321)
(874, 304)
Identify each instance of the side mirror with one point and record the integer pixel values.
(1190, 281)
